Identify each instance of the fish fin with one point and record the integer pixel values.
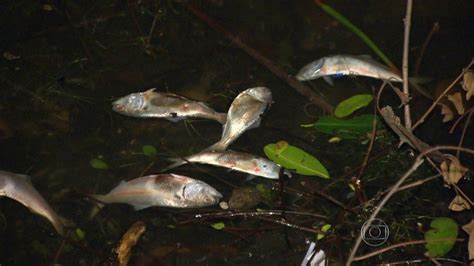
(221, 118)
(138, 207)
(366, 57)
(98, 205)
(218, 146)
(26, 178)
(149, 90)
(329, 80)
(174, 119)
(177, 162)
(250, 177)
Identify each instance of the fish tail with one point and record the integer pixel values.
(177, 162)
(98, 205)
(59, 227)
(221, 117)
(218, 146)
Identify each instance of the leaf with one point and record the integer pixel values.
(441, 238)
(280, 146)
(80, 234)
(469, 229)
(459, 204)
(218, 226)
(447, 112)
(468, 84)
(345, 128)
(324, 228)
(296, 159)
(453, 172)
(351, 104)
(97, 163)
(456, 99)
(149, 151)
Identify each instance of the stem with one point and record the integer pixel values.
(406, 42)
(278, 71)
(344, 21)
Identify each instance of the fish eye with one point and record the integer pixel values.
(264, 166)
(135, 102)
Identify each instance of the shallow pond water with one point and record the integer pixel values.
(65, 63)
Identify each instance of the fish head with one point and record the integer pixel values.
(131, 104)
(262, 94)
(311, 71)
(268, 168)
(134, 104)
(200, 194)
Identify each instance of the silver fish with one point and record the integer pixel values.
(170, 106)
(244, 113)
(346, 65)
(239, 161)
(19, 188)
(165, 190)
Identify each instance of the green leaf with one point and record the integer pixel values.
(344, 128)
(441, 239)
(149, 151)
(296, 159)
(80, 234)
(324, 228)
(218, 226)
(97, 163)
(351, 104)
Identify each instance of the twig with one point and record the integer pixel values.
(152, 28)
(422, 119)
(378, 208)
(278, 71)
(459, 191)
(434, 29)
(295, 226)
(464, 133)
(408, 243)
(61, 247)
(406, 47)
(255, 214)
(455, 125)
(358, 189)
(323, 195)
(416, 183)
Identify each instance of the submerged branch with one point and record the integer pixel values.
(278, 71)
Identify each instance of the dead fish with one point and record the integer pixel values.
(244, 113)
(341, 65)
(164, 190)
(166, 105)
(19, 188)
(239, 161)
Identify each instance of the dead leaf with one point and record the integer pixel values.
(468, 84)
(447, 112)
(10, 56)
(469, 229)
(459, 204)
(456, 99)
(452, 171)
(128, 241)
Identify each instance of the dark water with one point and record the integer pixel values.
(55, 116)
